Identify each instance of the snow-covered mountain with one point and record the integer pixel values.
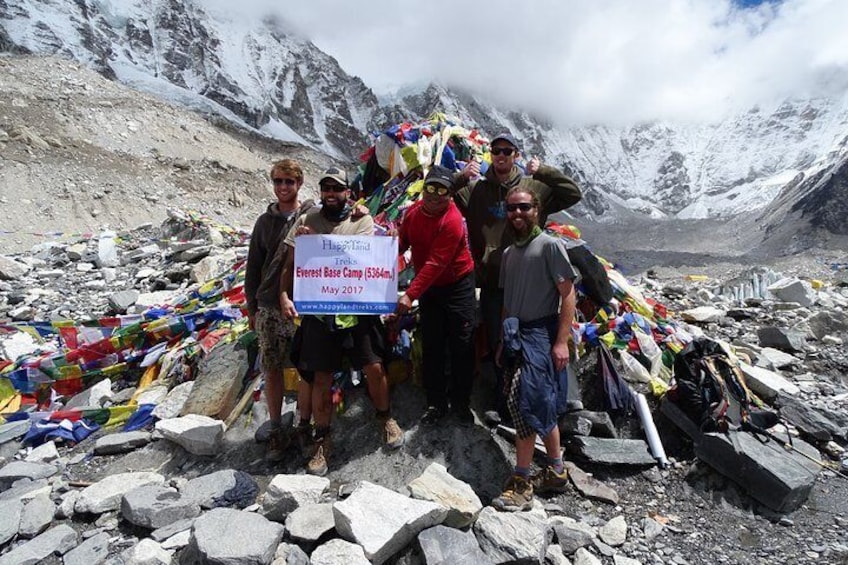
(265, 77)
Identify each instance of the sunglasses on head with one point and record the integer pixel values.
(502, 151)
(287, 182)
(523, 206)
(436, 189)
(333, 187)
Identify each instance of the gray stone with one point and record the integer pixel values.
(155, 394)
(614, 532)
(155, 506)
(92, 551)
(290, 554)
(583, 557)
(311, 522)
(23, 313)
(172, 405)
(437, 485)
(793, 290)
(199, 435)
(339, 552)
(767, 384)
(604, 451)
(55, 540)
(120, 301)
(11, 270)
(781, 338)
(17, 470)
(589, 486)
(827, 322)
(218, 384)
(383, 521)
(194, 254)
(121, 442)
(25, 490)
(771, 358)
(513, 537)
(703, 314)
(177, 541)
(65, 509)
(575, 425)
(602, 425)
(10, 519)
(106, 494)
(95, 396)
(223, 488)
(555, 556)
(36, 516)
(286, 493)
(442, 545)
(171, 530)
(572, 535)
(13, 430)
(818, 423)
(619, 559)
(651, 528)
(44, 453)
(225, 536)
(146, 552)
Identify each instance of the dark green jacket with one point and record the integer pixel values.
(483, 204)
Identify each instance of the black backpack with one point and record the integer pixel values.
(594, 281)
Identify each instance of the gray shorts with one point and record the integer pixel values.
(274, 332)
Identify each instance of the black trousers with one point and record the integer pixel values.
(447, 329)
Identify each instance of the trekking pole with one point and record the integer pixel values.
(788, 446)
(657, 449)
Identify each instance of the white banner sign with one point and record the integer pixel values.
(345, 274)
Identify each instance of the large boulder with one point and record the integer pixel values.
(199, 435)
(437, 485)
(224, 536)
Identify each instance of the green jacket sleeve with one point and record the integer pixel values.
(558, 191)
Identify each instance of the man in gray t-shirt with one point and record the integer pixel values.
(537, 281)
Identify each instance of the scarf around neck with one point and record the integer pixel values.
(337, 216)
(530, 237)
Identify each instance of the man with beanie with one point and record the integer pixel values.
(326, 339)
(265, 259)
(435, 230)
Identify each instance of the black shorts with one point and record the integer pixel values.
(324, 349)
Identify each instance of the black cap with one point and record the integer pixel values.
(508, 138)
(441, 176)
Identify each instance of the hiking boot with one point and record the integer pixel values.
(392, 434)
(432, 415)
(318, 462)
(517, 495)
(278, 441)
(303, 438)
(547, 480)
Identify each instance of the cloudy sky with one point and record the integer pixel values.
(591, 60)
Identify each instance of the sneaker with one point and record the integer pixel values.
(547, 480)
(392, 434)
(517, 495)
(432, 415)
(318, 463)
(278, 441)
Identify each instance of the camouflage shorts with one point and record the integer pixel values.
(275, 333)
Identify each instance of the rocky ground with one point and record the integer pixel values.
(81, 154)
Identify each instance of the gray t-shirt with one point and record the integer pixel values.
(529, 276)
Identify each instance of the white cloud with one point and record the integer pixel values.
(609, 61)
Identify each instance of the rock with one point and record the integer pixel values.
(583, 557)
(651, 528)
(177, 541)
(437, 485)
(14, 345)
(172, 405)
(210, 267)
(55, 540)
(781, 338)
(147, 299)
(223, 488)
(23, 313)
(825, 323)
(513, 537)
(146, 552)
(614, 532)
(17, 470)
(10, 519)
(120, 301)
(605, 451)
(36, 516)
(218, 384)
(106, 494)
(193, 254)
(287, 493)
(121, 442)
(169, 531)
(383, 521)
(92, 551)
(199, 435)
(94, 396)
(555, 556)
(602, 425)
(767, 384)
(155, 506)
(152, 395)
(575, 425)
(703, 314)
(793, 290)
(227, 536)
(771, 358)
(339, 552)
(442, 545)
(44, 453)
(290, 554)
(65, 509)
(11, 270)
(26, 490)
(310, 523)
(818, 423)
(572, 535)
(589, 486)
(13, 430)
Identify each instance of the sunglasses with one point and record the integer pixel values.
(334, 187)
(436, 189)
(502, 151)
(523, 206)
(287, 182)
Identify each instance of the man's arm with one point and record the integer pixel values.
(559, 352)
(253, 272)
(561, 192)
(287, 286)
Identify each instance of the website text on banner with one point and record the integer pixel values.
(338, 274)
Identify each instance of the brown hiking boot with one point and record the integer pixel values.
(275, 449)
(320, 452)
(517, 495)
(547, 480)
(303, 438)
(392, 434)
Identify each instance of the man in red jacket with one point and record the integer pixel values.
(444, 287)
